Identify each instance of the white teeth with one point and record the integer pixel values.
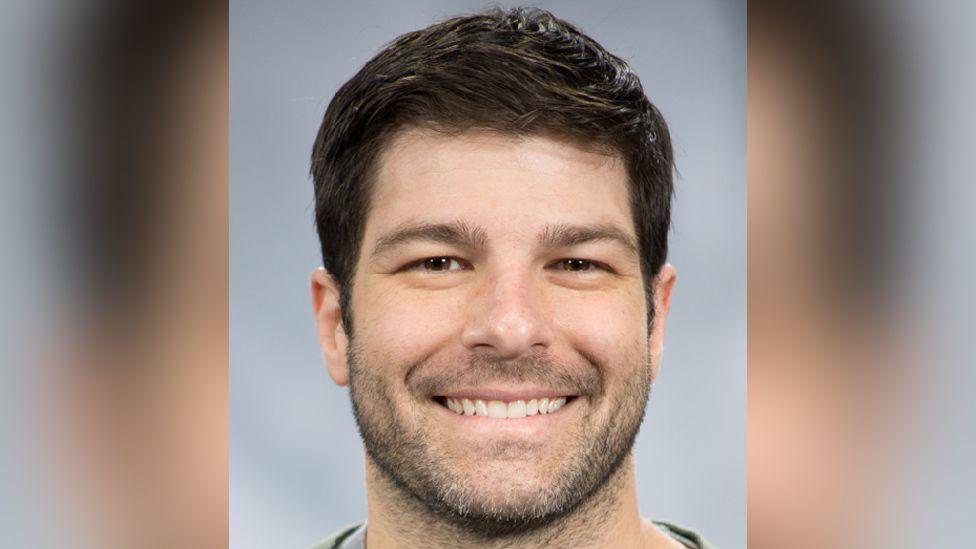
(500, 410)
(497, 408)
(516, 409)
(543, 405)
(556, 404)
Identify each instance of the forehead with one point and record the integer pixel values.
(508, 185)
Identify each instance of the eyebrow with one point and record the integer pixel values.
(463, 235)
(457, 233)
(565, 235)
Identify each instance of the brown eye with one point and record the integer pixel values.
(577, 265)
(437, 264)
(441, 264)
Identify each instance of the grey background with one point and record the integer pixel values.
(295, 457)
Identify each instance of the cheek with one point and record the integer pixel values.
(610, 328)
(405, 326)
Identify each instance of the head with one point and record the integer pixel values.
(493, 200)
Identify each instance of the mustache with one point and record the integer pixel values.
(430, 378)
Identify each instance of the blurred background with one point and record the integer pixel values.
(860, 137)
(296, 460)
(114, 235)
(114, 239)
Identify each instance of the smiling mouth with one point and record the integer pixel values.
(500, 409)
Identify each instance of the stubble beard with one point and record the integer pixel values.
(414, 468)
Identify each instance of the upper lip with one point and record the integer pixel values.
(508, 394)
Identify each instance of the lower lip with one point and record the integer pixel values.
(528, 425)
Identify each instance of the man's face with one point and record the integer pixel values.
(500, 359)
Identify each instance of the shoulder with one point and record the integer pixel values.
(343, 538)
(686, 536)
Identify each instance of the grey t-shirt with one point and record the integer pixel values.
(354, 537)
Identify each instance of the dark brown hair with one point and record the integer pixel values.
(519, 72)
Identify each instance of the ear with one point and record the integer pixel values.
(663, 284)
(328, 319)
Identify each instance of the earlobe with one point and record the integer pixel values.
(326, 306)
(663, 285)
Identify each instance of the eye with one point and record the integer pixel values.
(579, 265)
(439, 264)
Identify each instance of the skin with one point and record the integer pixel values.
(475, 322)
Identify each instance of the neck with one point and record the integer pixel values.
(610, 518)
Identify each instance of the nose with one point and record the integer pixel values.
(508, 317)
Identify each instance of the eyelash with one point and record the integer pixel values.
(593, 265)
(422, 263)
(566, 262)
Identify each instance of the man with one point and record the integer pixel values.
(493, 199)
